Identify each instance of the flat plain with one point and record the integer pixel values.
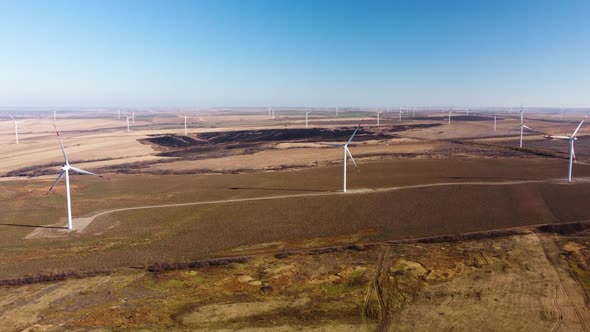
(241, 224)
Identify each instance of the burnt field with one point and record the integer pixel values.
(455, 117)
(554, 148)
(266, 135)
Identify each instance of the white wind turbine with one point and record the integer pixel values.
(185, 132)
(450, 110)
(495, 115)
(572, 139)
(65, 169)
(346, 155)
(133, 117)
(127, 117)
(306, 119)
(378, 118)
(400, 114)
(522, 125)
(15, 128)
(118, 114)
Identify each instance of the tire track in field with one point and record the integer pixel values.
(553, 264)
(559, 314)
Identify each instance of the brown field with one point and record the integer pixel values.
(241, 185)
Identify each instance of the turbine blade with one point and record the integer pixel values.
(559, 136)
(527, 127)
(574, 155)
(61, 173)
(351, 158)
(575, 132)
(352, 136)
(81, 171)
(62, 146)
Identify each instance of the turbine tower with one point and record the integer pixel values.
(378, 113)
(495, 121)
(15, 128)
(185, 125)
(127, 117)
(306, 119)
(66, 170)
(118, 114)
(133, 117)
(450, 110)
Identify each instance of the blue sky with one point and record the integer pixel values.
(294, 52)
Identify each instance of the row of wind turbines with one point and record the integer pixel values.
(66, 167)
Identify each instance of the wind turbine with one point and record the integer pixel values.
(572, 139)
(118, 114)
(348, 154)
(15, 128)
(306, 117)
(522, 125)
(65, 169)
(378, 113)
(495, 121)
(400, 114)
(133, 117)
(185, 125)
(450, 110)
(54, 116)
(127, 116)
(337, 110)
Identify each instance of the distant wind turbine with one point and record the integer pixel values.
(118, 114)
(15, 128)
(185, 133)
(400, 114)
(495, 121)
(127, 117)
(66, 170)
(306, 119)
(572, 139)
(450, 110)
(522, 125)
(133, 117)
(378, 113)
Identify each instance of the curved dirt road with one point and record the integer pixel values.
(84, 222)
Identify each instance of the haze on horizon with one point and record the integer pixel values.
(316, 53)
